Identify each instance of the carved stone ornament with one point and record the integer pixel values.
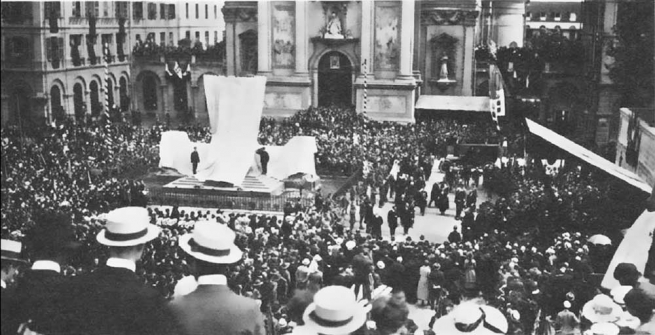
(234, 14)
(448, 17)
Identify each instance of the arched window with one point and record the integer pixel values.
(110, 92)
(149, 93)
(96, 106)
(78, 101)
(55, 102)
(124, 99)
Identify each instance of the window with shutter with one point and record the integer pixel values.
(206, 11)
(48, 48)
(152, 11)
(77, 9)
(171, 12)
(162, 11)
(137, 9)
(60, 47)
(105, 8)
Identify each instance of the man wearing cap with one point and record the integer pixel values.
(213, 308)
(40, 290)
(113, 299)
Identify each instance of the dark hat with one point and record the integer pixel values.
(626, 272)
(52, 232)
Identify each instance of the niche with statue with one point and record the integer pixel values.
(443, 61)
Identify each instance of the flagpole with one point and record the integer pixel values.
(105, 52)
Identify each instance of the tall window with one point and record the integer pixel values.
(149, 93)
(137, 10)
(121, 9)
(55, 51)
(105, 8)
(171, 12)
(206, 39)
(171, 39)
(206, 11)
(152, 11)
(162, 11)
(77, 9)
(187, 35)
(53, 7)
(187, 10)
(215, 37)
(197, 12)
(122, 93)
(92, 8)
(197, 36)
(215, 12)
(162, 39)
(55, 102)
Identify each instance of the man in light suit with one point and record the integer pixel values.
(213, 308)
(113, 299)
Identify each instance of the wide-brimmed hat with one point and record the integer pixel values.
(11, 250)
(471, 318)
(211, 242)
(601, 309)
(604, 328)
(335, 310)
(127, 226)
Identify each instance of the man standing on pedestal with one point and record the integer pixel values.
(195, 159)
(263, 158)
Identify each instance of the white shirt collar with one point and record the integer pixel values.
(212, 280)
(121, 263)
(46, 266)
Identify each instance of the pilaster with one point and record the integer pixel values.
(301, 39)
(264, 37)
(406, 36)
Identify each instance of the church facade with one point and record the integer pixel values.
(378, 56)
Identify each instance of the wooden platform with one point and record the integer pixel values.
(254, 185)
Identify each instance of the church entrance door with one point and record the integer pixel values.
(335, 80)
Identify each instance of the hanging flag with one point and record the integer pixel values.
(178, 70)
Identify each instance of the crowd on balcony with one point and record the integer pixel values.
(520, 275)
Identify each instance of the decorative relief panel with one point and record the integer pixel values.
(387, 104)
(277, 100)
(448, 17)
(284, 35)
(387, 35)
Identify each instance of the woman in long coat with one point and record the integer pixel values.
(423, 288)
(442, 203)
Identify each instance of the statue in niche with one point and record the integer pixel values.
(333, 28)
(443, 71)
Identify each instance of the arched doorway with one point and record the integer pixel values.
(78, 101)
(149, 89)
(334, 80)
(96, 106)
(124, 99)
(55, 103)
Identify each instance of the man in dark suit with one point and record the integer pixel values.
(11, 261)
(113, 299)
(454, 236)
(392, 220)
(460, 198)
(195, 159)
(472, 199)
(213, 308)
(362, 263)
(40, 291)
(263, 158)
(376, 229)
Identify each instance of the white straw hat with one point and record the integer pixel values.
(127, 226)
(11, 250)
(211, 242)
(335, 310)
(473, 319)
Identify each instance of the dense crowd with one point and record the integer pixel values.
(527, 274)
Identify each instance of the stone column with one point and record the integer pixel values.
(301, 38)
(87, 102)
(367, 39)
(509, 22)
(264, 37)
(469, 23)
(406, 35)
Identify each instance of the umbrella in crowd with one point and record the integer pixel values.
(599, 239)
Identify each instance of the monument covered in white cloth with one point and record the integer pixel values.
(235, 107)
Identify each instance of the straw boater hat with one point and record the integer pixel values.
(601, 309)
(470, 318)
(604, 328)
(335, 310)
(127, 226)
(11, 250)
(211, 242)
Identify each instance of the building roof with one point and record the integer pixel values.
(587, 156)
(453, 103)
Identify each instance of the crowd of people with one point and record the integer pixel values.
(67, 177)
